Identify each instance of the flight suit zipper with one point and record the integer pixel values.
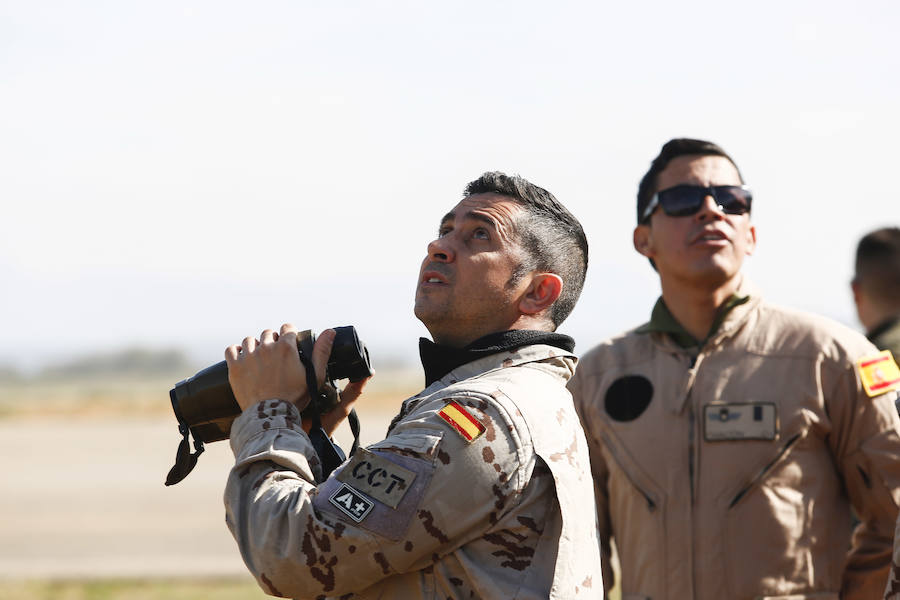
(651, 502)
(691, 450)
(691, 417)
(766, 469)
(692, 453)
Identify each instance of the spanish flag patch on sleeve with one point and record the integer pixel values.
(461, 420)
(879, 373)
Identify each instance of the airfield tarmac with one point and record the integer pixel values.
(84, 497)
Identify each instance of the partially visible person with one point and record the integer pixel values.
(876, 288)
(876, 292)
(729, 437)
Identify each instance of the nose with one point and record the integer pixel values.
(710, 209)
(440, 250)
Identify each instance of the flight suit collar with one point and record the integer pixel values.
(883, 328)
(733, 315)
(730, 315)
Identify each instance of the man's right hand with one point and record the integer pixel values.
(349, 395)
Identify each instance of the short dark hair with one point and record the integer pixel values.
(671, 150)
(551, 236)
(878, 264)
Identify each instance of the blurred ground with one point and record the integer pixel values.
(218, 588)
(85, 514)
(84, 465)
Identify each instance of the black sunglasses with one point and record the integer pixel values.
(684, 200)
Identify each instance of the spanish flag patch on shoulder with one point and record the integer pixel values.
(879, 373)
(461, 420)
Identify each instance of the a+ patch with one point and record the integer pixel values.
(351, 503)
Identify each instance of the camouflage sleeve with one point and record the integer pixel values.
(600, 473)
(865, 442)
(397, 506)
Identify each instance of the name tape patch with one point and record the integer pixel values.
(741, 421)
(461, 420)
(879, 373)
(377, 477)
(351, 503)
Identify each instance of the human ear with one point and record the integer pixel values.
(543, 291)
(751, 240)
(641, 240)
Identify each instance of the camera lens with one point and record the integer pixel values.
(206, 403)
(349, 357)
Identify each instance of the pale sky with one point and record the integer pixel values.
(183, 174)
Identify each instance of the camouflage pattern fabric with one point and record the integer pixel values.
(482, 489)
(892, 592)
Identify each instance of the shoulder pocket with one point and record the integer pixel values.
(413, 442)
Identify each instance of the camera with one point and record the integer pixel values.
(205, 406)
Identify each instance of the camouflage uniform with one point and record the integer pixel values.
(427, 512)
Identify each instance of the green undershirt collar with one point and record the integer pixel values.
(662, 321)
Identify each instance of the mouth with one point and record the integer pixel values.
(709, 236)
(433, 278)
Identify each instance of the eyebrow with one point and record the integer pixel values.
(448, 217)
(451, 216)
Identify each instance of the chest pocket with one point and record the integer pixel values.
(771, 507)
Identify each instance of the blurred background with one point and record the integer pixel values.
(175, 176)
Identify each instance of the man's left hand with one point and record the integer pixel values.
(270, 367)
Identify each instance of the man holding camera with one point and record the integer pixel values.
(729, 437)
(482, 488)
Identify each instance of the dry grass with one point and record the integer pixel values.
(134, 589)
(142, 589)
(149, 396)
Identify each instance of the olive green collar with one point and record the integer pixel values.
(662, 321)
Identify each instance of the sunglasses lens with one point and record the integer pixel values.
(685, 200)
(682, 200)
(734, 200)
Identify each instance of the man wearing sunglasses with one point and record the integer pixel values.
(729, 437)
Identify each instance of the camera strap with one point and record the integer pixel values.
(184, 460)
(330, 454)
(353, 421)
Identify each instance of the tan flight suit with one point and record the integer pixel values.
(427, 513)
(887, 337)
(728, 471)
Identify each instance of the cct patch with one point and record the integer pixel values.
(628, 397)
(378, 477)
